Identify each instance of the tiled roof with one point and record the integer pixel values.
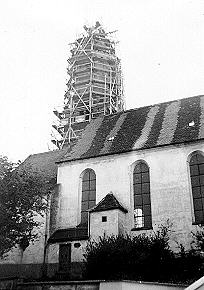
(71, 234)
(44, 162)
(107, 203)
(157, 125)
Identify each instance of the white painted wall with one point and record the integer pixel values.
(99, 228)
(170, 196)
(132, 285)
(199, 284)
(76, 253)
(170, 186)
(115, 225)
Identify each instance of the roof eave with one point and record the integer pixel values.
(108, 209)
(131, 150)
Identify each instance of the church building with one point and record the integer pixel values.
(118, 171)
(129, 173)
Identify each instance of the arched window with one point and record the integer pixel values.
(197, 184)
(142, 202)
(88, 199)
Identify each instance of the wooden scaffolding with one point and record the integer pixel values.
(94, 87)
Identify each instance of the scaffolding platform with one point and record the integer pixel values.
(95, 84)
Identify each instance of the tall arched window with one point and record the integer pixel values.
(88, 199)
(197, 184)
(142, 202)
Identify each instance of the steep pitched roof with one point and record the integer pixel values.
(107, 203)
(71, 234)
(157, 125)
(44, 162)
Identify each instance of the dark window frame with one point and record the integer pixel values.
(88, 194)
(196, 169)
(142, 196)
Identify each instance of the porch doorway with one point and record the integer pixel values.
(64, 258)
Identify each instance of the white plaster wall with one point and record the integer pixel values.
(69, 211)
(122, 222)
(132, 285)
(76, 253)
(169, 177)
(53, 253)
(99, 228)
(199, 284)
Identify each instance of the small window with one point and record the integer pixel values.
(77, 245)
(142, 201)
(104, 219)
(197, 185)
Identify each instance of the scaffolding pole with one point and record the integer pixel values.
(95, 84)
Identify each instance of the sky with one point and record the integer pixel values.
(161, 46)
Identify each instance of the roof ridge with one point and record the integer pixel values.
(48, 152)
(107, 204)
(152, 105)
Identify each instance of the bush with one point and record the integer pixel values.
(187, 267)
(198, 239)
(143, 258)
(123, 257)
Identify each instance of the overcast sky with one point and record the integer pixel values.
(161, 47)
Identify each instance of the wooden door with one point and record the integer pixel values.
(64, 257)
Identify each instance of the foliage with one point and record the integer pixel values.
(198, 239)
(5, 166)
(142, 257)
(22, 198)
(188, 266)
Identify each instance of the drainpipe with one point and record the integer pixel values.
(89, 230)
(47, 219)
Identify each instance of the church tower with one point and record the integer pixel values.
(94, 84)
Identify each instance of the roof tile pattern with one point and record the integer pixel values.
(107, 144)
(85, 143)
(66, 235)
(189, 111)
(162, 124)
(169, 124)
(44, 163)
(130, 130)
(147, 127)
(109, 202)
(157, 126)
(101, 135)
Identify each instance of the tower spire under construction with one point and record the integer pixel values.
(94, 87)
